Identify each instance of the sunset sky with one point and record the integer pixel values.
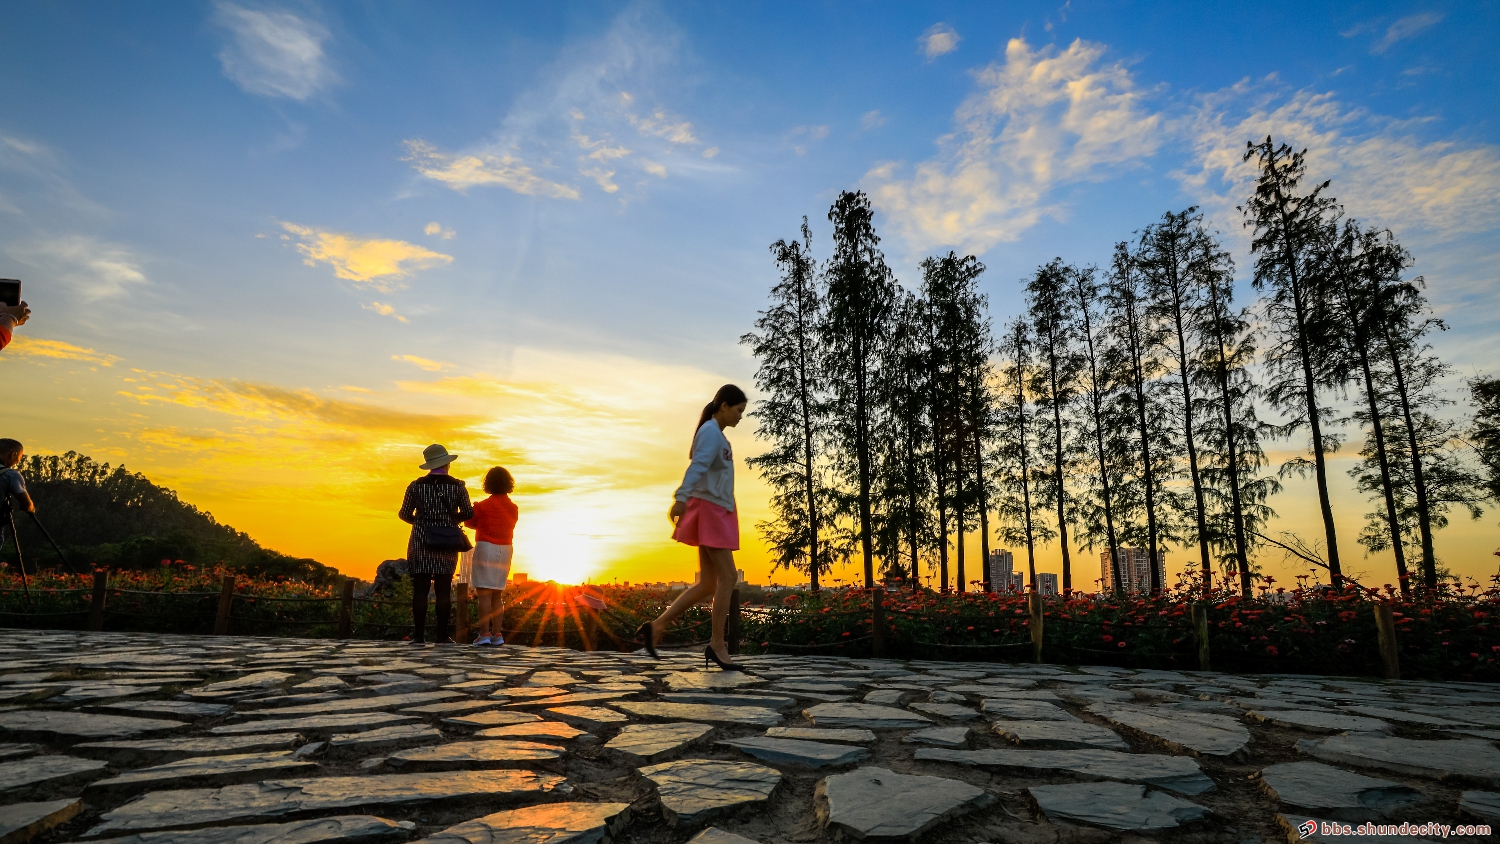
(275, 249)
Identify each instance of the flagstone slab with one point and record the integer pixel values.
(878, 803)
(358, 704)
(544, 730)
(170, 708)
(1484, 805)
(350, 828)
(1401, 716)
(750, 716)
(1177, 773)
(16, 751)
(279, 798)
(850, 736)
(703, 681)
(1023, 710)
(800, 752)
(1194, 732)
(551, 823)
(946, 711)
(886, 697)
(1319, 720)
(475, 755)
(382, 738)
(247, 683)
(492, 718)
(1115, 805)
(155, 751)
(589, 718)
(692, 790)
(38, 725)
(551, 678)
(19, 775)
(1463, 759)
(315, 725)
(646, 743)
(570, 699)
(939, 736)
(1071, 733)
(1335, 793)
(865, 715)
(451, 706)
(21, 822)
(207, 770)
(730, 699)
(714, 835)
(323, 683)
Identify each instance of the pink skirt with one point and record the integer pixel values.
(707, 525)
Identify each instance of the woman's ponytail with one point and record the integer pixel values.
(728, 394)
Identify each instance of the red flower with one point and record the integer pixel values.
(1108, 638)
(1122, 644)
(1271, 649)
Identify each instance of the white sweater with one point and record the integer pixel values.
(711, 474)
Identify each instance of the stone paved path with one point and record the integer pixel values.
(148, 739)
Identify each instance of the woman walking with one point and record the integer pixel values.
(704, 515)
(494, 525)
(434, 506)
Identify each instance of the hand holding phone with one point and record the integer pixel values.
(10, 291)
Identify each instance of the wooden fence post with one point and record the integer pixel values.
(877, 624)
(346, 610)
(1200, 633)
(461, 614)
(732, 628)
(226, 600)
(96, 605)
(1385, 630)
(1034, 603)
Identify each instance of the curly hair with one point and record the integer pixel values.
(498, 481)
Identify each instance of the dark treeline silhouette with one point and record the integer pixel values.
(111, 517)
(1125, 409)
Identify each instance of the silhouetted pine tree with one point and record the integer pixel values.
(859, 298)
(1131, 362)
(793, 415)
(1049, 305)
(905, 477)
(1289, 223)
(1484, 430)
(1016, 446)
(1096, 509)
(1175, 257)
(1230, 430)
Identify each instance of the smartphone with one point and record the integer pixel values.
(10, 291)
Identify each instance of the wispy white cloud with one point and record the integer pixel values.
(381, 263)
(1040, 119)
(1407, 27)
(384, 310)
(273, 53)
(601, 105)
(424, 363)
(94, 269)
(462, 172)
(940, 39)
(871, 119)
(436, 229)
(1381, 169)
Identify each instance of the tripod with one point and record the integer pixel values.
(8, 510)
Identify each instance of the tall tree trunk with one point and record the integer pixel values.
(1236, 505)
(959, 501)
(1057, 465)
(911, 502)
(1309, 386)
(1424, 515)
(1192, 447)
(1025, 480)
(1392, 519)
(1098, 403)
(1148, 472)
(808, 448)
(939, 462)
(862, 447)
(984, 508)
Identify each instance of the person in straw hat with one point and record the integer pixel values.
(435, 505)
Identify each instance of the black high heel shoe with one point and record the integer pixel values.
(710, 656)
(646, 634)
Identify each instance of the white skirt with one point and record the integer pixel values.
(489, 567)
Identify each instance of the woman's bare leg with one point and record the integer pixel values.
(486, 600)
(722, 561)
(691, 596)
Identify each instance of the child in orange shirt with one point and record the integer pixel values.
(494, 525)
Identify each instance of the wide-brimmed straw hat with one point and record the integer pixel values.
(436, 456)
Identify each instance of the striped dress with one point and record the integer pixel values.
(433, 500)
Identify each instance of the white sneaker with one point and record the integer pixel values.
(482, 640)
(497, 640)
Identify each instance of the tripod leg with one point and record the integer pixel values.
(55, 546)
(20, 560)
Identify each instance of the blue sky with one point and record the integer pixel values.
(250, 229)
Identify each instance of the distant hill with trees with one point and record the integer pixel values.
(110, 516)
